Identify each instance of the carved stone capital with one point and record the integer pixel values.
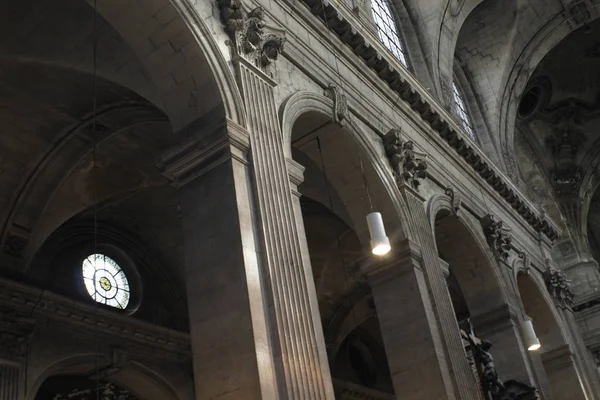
(409, 166)
(340, 104)
(558, 286)
(248, 35)
(498, 236)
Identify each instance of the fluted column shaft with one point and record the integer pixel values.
(9, 382)
(298, 331)
(420, 228)
(233, 357)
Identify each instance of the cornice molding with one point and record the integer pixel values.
(429, 111)
(203, 151)
(69, 314)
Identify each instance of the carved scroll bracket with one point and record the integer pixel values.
(455, 199)
(409, 166)
(340, 104)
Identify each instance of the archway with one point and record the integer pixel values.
(555, 355)
(477, 290)
(334, 203)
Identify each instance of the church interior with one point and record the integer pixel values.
(300, 200)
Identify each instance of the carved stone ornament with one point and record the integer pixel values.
(340, 104)
(492, 385)
(15, 332)
(107, 391)
(247, 33)
(498, 237)
(515, 390)
(15, 245)
(454, 199)
(409, 166)
(559, 286)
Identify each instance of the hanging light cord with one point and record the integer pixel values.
(364, 176)
(95, 189)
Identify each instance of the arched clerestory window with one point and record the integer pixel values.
(387, 29)
(460, 108)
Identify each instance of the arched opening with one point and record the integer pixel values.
(477, 294)
(469, 268)
(68, 191)
(334, 203)
(555, 354)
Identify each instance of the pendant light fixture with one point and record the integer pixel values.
(380, 243)
(531, 340)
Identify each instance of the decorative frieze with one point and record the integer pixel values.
(409, 166)
(340, 104)
(426, 109)
(138, 336)
(559, 286)
(498, 236)
(249, 38)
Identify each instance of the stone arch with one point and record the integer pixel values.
(478, 121)
(185, 60)
(413, 43)
(461, 244)
(136, 377)
(318, 110)
(451, 21)
(185, 54)
(515, 82)
(564, 375)
(537, 302)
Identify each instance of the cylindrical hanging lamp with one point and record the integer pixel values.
(380, 244)
(531, 340)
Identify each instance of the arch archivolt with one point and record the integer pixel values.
(140, 379)
(441, 204)
(388, 199)
(184, 60)
(536, 278)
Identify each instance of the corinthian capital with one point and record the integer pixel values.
(249, 33)
(409, 166)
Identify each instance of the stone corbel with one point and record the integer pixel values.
(408, 165)
(558, 286)
(340, 104)
(250, 36)
(498, 236)
(455, 199)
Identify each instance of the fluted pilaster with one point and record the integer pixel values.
(300, 343)
(440, 297)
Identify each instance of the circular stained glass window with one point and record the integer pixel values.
(105, 281)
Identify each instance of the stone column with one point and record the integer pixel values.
(9, 381)
(563, 374)
(503, 329)
(584, 363)
(409, 169)
(412, 337)
(229, 329)
(299, 332)
(573, 253)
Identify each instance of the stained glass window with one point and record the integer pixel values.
(105, 281)
(387, 29)
(461, 111)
